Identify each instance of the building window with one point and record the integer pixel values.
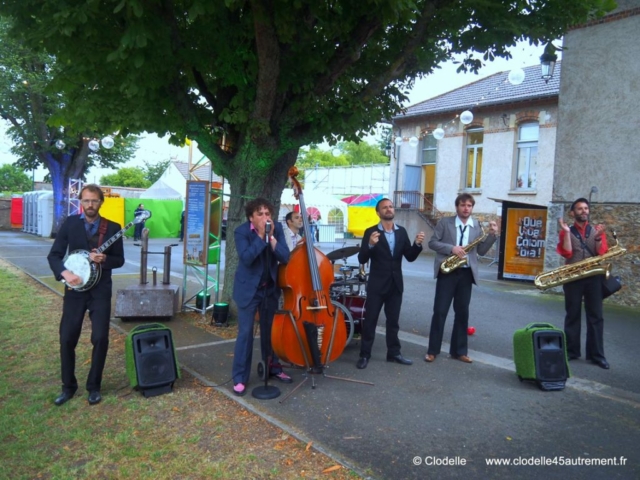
(429, 149)
(336, 218)
(527, 156)
(474, 158)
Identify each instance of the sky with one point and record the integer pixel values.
(153, 149)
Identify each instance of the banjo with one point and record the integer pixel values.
(90, 272)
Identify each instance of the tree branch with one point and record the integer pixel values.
(268, 52)
(398, 68)
(346, 55)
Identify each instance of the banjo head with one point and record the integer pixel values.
(78, 262)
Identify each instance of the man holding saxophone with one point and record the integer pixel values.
(457, 241)
(577, 243)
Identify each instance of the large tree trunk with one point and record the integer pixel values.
(62, 168)
(250, 180)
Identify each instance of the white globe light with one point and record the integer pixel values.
(516, 76)
(438, 134)
(107, 142)
(336, 152)
(398, 141)
(94, 146)
(413, 141)
(60, 144)
(466, 117)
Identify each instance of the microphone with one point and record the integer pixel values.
(267, 231)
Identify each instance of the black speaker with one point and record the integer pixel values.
(550, 357)
(539, 354)
(154, 360)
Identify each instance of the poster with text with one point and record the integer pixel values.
(196, 240)
(524, 243)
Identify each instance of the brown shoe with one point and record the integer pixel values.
(463, 358)
(429, 358)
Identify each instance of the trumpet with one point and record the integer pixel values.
(453, 262)
(582, 269)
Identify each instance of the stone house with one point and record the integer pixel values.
(505, 152)
(598, 120)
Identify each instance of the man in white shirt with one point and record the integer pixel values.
(292, 229)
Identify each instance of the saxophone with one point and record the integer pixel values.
(582, 269)
(454, 261)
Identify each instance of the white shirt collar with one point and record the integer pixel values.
(459, 222)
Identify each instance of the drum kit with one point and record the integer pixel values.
(349, 290)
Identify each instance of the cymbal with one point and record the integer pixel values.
(343, 253)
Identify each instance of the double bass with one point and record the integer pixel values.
(309, 331)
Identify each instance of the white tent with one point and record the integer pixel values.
(161, 190)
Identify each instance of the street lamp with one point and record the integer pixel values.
(548, 62)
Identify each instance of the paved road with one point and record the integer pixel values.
(446, 413)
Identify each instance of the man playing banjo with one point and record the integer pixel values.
(86, 232)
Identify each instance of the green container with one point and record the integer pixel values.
(200, 300)
(220, 313)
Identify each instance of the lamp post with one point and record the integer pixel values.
(548, 62)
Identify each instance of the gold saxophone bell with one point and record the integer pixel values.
(588, 267)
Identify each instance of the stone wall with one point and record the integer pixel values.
(5, 214)
(624, 219)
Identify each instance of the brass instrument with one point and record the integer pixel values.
(454, 261)
(582, 269)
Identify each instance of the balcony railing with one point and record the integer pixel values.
(423, 203)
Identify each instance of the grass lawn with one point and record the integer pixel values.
(193, 433)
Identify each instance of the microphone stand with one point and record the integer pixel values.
(266, 391)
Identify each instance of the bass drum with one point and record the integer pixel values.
(355, 304)
(348, 320)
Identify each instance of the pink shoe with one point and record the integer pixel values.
(283, 377)
(239, 389)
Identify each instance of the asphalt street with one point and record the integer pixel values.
(446, 419)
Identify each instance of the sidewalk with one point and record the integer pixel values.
(446, 413)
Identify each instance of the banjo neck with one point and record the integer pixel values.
(110, 242)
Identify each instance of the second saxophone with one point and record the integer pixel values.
(453, 262)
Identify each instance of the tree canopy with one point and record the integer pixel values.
(13, 179)
(343, 154)
(153, 171)
(252, 81)
(126, 177)
(40, 135)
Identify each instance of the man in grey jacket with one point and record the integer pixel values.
(451, 236)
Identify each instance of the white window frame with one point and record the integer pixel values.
(526, 180)
(426, 147)
(476, 148)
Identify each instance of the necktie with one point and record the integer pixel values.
(462, 230)
(90, 228)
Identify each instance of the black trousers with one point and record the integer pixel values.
(589, 288)
(451, 287)
(74, 307)
(392, 302)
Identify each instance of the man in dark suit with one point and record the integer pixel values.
(261, 244)
(385, 244)
(451, 236)
(85, 232)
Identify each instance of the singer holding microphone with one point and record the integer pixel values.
(261, 245)
(385, 245)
